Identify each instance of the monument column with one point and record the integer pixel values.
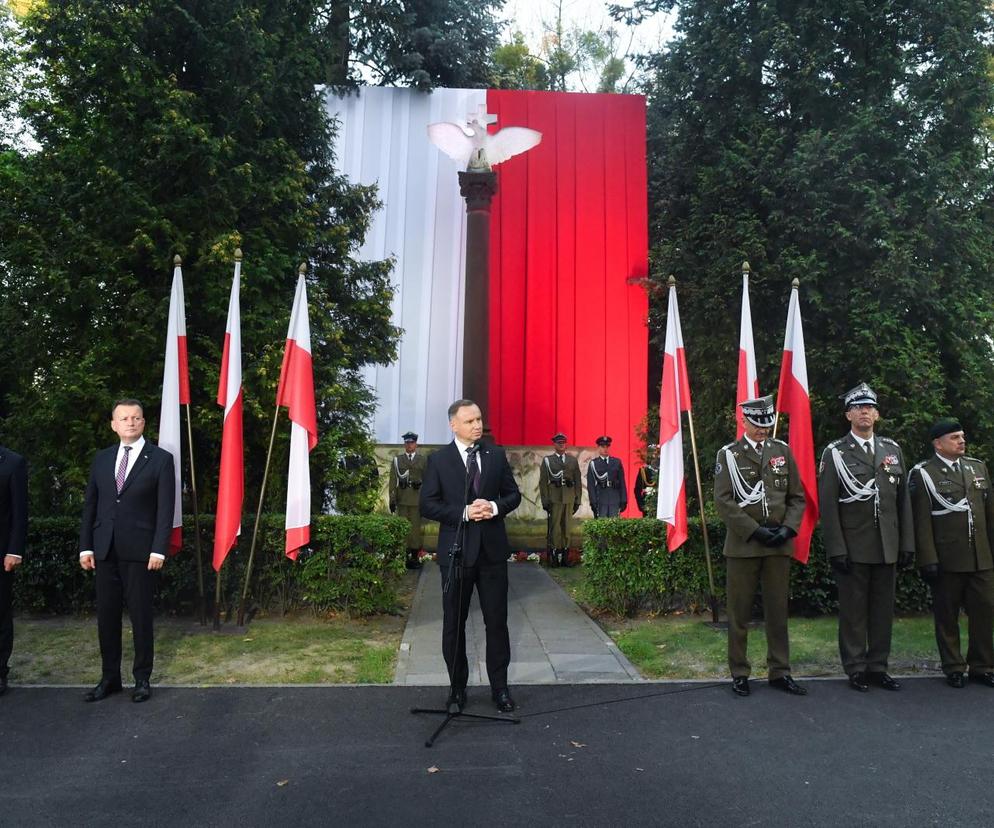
(478, 189)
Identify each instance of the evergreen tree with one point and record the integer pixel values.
(844, 143)
(192, 128)
(421, 43)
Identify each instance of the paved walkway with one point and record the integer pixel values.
(552, 639)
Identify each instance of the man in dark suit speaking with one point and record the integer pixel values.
(13, 534)
(483, 471)
(127, 520)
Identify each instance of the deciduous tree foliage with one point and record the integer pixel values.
(844, 143)
(191, 128)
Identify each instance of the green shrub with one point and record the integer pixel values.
(354, 563)
(628, 570)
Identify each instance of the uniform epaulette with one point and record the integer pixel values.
(835, 443)
(974, 459)
(888, 440)
(728, 446)
(776, 440)
(923, 462)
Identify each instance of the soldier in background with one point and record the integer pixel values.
(560, 489)
(757, 489)
(868, 528)
(406, 473)
(954, 538)
(647, 478)
(606, 482)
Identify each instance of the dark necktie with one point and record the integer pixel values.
(759, 449)
(474, 475)
(956, 467)
(122, 469)
(868, 450)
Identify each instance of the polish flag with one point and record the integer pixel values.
(674, 398)
(747, 387)
(793, 399)
(175, 392)
(296, 392)
(231, 482)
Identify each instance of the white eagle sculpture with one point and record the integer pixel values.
(476, 149)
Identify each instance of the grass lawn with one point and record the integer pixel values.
(301, 649)
(686, 646)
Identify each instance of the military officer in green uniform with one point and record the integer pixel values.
(757, 489)
(406, 472)
(606, 482)
(647, 478)
(560, 489)
(954, 536)
(868, 529)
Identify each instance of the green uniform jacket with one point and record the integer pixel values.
(784, 496)
(945, 539)
(567, 470)
(405, 479)
(850, 528)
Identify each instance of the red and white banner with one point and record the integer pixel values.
(794, 400)
(175, 392)
(747, 386)
(296, 392)
(568, 258)
(674, 399)
(231, 481)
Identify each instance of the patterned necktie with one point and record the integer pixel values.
(122, 469)
(474, 475)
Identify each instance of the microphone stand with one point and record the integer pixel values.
(452, 711)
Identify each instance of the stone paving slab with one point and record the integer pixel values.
(552, 639)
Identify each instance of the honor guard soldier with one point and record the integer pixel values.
(560, 489)
(647, 478)
(954, 536)
(606, 482)
(757, 489)
(868, 529)
(406, 472)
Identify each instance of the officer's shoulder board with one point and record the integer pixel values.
(722, 450)
(776, 440)
(973, 459)
(889, 441)
(834, 444)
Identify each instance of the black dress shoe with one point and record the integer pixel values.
(857, 681)
(883, 680)
(142, 691)
(502, 698)
(983, 678)
(957, 680)
(788, 685)
(105, 688)
(740, 685)
(457, 699)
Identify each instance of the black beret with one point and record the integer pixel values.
(947, 425)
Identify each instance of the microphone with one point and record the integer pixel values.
(472, 450)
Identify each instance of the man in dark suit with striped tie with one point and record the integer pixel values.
(124, 536)
(469, 489)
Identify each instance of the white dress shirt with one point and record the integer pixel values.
(463, 448)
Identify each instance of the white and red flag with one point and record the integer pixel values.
(296, 392)
(231, 481)
(794, 400)
(747, 387)
(674, 398)
(175, 392)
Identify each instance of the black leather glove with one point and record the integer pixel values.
(781, 535)
(576, 507)
(547, 507)
(393, 507)
(841, 564)
(930, 573)
(763, 535)
(906, 559)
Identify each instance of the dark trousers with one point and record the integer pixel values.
(119, 584)
(490, 581)
(973, 591)
(6, 618)
(866, 616)
(743, 575)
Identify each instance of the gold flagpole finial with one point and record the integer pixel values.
(177, 261)
(745, 267)
(302, 269)
(238, 254)
(671, 282)
(795, 284)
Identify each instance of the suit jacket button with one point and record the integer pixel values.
(119, 500)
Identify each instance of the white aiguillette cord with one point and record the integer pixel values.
(745, 495)
(948, 506)
(858, 492)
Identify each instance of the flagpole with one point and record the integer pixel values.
(712, 595)
(196, 521)
(258, 515)
(794, 285)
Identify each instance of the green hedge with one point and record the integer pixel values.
(628, 570)
(354, 563)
